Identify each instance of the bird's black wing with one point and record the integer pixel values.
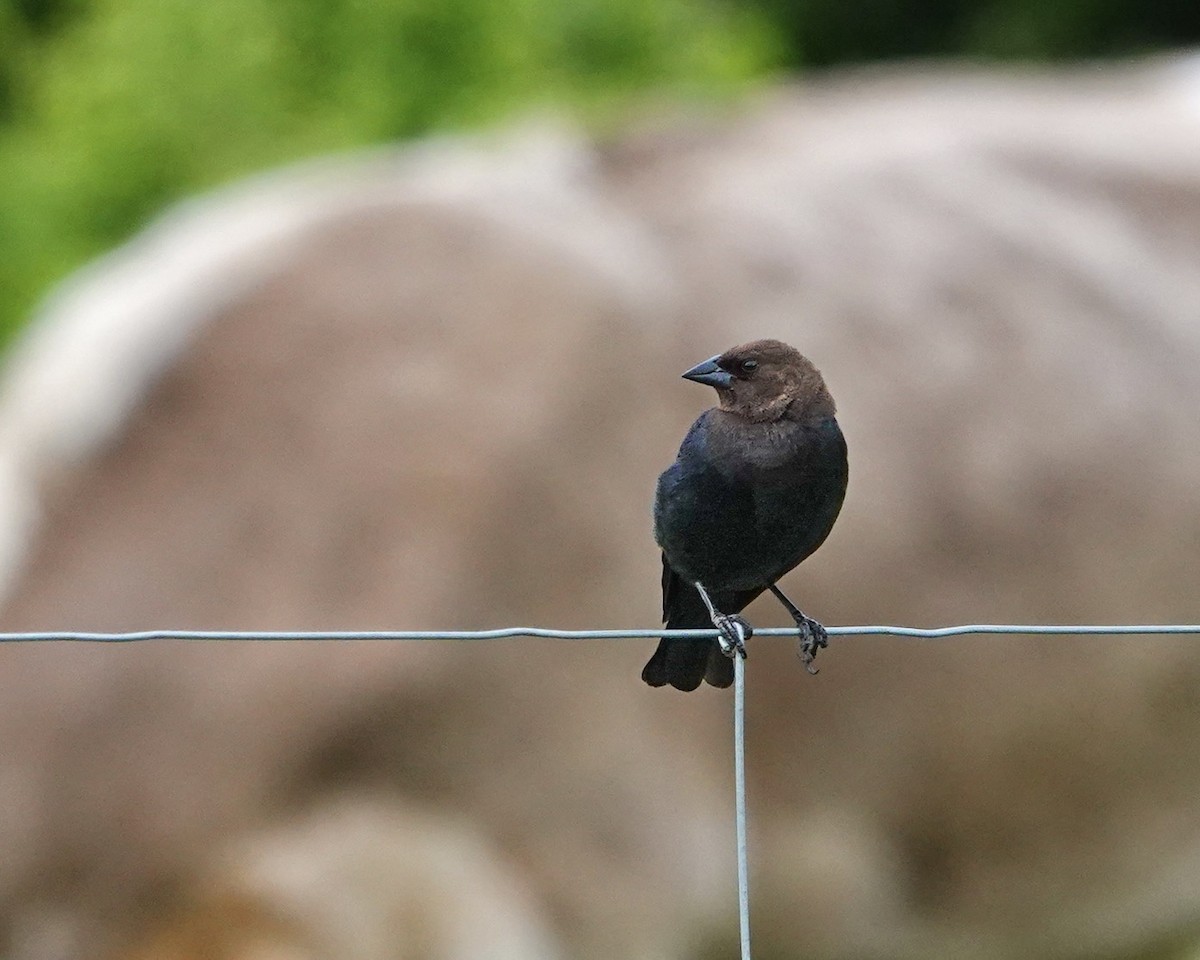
(793, 520)
(685, 663)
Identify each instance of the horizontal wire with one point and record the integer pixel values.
(504, 633)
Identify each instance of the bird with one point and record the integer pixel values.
(755, 489)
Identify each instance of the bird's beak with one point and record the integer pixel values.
(708, 372)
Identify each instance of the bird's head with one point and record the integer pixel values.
(765, 380)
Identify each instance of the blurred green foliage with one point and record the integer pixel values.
(110, 108)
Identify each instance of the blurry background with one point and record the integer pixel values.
(109, 110)
(370, 315)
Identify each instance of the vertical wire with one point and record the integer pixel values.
(739, 778)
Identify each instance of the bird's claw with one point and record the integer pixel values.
(812, 638)
(733, 632)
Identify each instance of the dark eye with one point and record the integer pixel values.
(749, 366)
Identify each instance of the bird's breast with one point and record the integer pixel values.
(741, 507)
(760, 451)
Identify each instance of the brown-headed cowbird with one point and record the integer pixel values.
(755, 488)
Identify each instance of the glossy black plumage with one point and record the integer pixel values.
(754, 490)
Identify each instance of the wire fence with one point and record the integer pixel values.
(504, 633)
(739, 803)
(739, 707)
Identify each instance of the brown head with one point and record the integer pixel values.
(766, 380)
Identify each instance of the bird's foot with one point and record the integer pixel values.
(812, 638)
(733, 634)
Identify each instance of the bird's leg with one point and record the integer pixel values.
(812, 635)
(733, 630)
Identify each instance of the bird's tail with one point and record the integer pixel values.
(685, 663)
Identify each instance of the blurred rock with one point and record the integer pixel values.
(363, 881)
